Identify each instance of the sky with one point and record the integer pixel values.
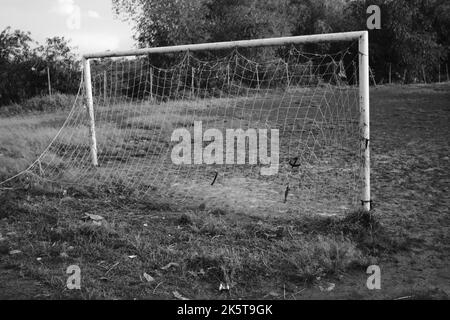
(89, 24)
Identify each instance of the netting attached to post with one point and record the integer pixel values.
(139, 102)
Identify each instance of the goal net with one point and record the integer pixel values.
(260, 128)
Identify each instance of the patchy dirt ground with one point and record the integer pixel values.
(194, 250)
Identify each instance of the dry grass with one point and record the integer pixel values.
(204, 248)
(21, 143)
(278, 257)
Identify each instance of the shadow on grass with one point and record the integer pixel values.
(364, 228)
(207, 247)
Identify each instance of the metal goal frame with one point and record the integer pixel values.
(364, 95)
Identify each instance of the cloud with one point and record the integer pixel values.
(93, 14)
(65, 7)
(71, 11)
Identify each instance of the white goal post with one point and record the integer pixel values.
(364, 123)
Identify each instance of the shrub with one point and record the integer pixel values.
(39, 104)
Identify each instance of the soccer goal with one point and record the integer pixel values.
(276, 124)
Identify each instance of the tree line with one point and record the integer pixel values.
(413, 44)
(29, 69)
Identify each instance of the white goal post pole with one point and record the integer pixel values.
(90, 108)
(364, 93)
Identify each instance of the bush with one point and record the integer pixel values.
(40, 104)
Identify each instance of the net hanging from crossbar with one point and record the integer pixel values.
(310, 98)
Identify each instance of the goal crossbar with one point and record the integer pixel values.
(327, 37)
(363, 42)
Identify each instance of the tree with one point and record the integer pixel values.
(248, 19)
(414, 35)
(165, 22)
(173, 22)
(408, 40)
(24, 63)
(15, 57)
(57, 55)
(15, 45)
(317, 16)
(441, 24)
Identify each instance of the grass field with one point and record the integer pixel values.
(317, 126)
(193, 250)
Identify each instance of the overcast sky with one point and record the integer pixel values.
(90, 24)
